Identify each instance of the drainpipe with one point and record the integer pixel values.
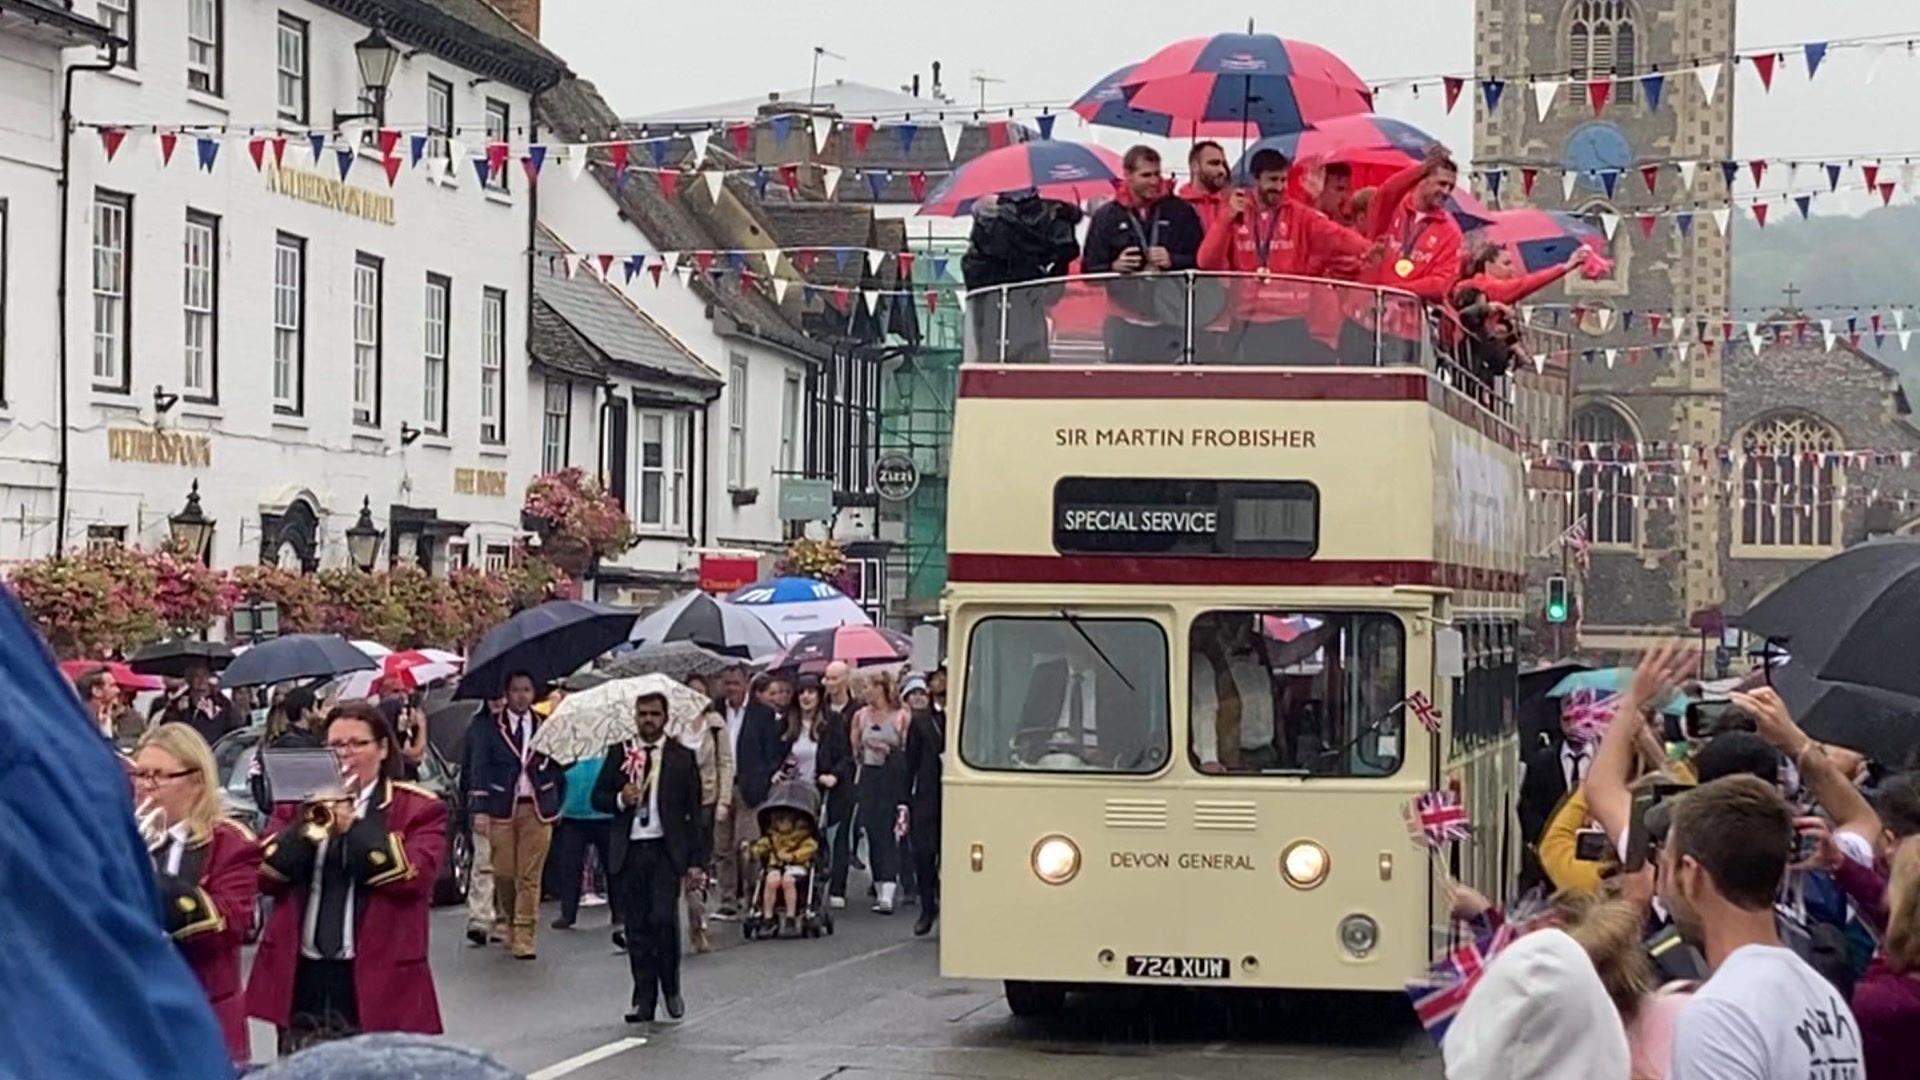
(60, 305)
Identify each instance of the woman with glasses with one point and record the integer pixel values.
(206, 866)
(352, 873)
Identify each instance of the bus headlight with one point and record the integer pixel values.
(1304, 864)
(1359, 934)
(1055, 860)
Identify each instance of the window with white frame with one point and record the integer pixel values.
(106, 537)
(439, 119)
(433, 375)
(1604, 448)
(493, 366)
(200, 299)
(790, 423)
(289, 322)
(665, 445)
(204, 19)
(736, 422)
(112, 316)
(118, 17)
(366, 339)
(1789, 495)
(499, 130)
(458, 557)
(556, 420)
(290, 69)
(497, 559)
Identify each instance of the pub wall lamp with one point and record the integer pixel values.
(163, 402)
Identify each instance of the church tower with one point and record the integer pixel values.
(1653, 562)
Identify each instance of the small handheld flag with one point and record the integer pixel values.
(1437, 819)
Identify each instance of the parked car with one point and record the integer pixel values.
(234, 755)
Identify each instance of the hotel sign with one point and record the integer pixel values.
(480, 482)
(160, 447)
(349, 199)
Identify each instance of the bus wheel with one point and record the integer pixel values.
(1031, 999)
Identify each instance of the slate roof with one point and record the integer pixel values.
(575, 111)
(471, 33)
(60, 17)
(833, 224)
(844, 96)
(586, 327)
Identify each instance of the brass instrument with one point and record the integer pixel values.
(322, 809)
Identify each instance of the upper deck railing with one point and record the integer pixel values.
(1207, 318)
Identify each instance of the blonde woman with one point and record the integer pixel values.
(207, 867)
(879, 732)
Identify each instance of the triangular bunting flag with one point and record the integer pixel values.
(392, 166)
(576, 161)
(1760, 213)
(742, 136)
(874, 258)
(318, 141)
(618, 154)
(669, 182)
(876, 182)
(1650, 175)
(1609, 179)
(1805, 203)
(1709, 76)
(1685, 349)
(950, 130)
(862, 135)
(1492, 179)
(1870, 170)
(496, 157)
(481, 167)
(1684, 222)
(528, 166)
(605, 260)
(1611, 354)
(654, 272)
(782, 126)
(1653, 322)
(387, 140)
(822, 128)
(1688, 169)
(699, 139)
(1567, 179)
(933, 300)
(1763, 64)
(840, 256)
(633, 265)
(997, 136)
(761, 178)
(1598, 91)
(537, 153)
(830, 179)
(714, 178)
(170, 139)
(684, 273)
(1609, 223)
(570, 261)
(1833, 177)
(206, 147)
(780, 285)
(1875, 52)
(257, 150)
(1759, 169)
(1543, 92)
(416, 149)
(872, 297)
(803, 259)
(1729, 171)
(917, 183)
(110, 140)
(1452, 86)
(1646, 225)
(279, 144)
(1528, 175)
(1816, 51)
(1651, 85)
(1886, 192)
(1491, 89)
(1722, 218)
(657, 152)
(1753, 337)
(343, 158)
(790, 178)
(903, 266)
(907, 132)
(1045, 123)
(703, 261)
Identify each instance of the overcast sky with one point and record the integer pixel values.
(648, 57)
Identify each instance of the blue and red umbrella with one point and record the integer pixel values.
(1375, 146)
(1106, 105)
(1539, 238)
(1247, 83)
(1068, 171)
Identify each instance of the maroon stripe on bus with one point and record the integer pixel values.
(1175, 570)
(1201, 383)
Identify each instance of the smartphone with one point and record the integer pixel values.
(1805, 846)
(1638, 841)
(1590, 845)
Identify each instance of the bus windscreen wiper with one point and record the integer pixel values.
(1074, 621)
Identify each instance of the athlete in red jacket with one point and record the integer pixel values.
(1422, 258)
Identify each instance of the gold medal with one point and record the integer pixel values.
(1404, 267)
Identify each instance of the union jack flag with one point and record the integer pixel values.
(1439, 997)
(1437, 819)
(636, 763)
(1425, 710)
(1578, 544)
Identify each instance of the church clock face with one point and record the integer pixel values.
(1598, 147)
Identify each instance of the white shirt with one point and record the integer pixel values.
(1766, 1015)
(176, 847)
(312, 914)
(736, 717)
(805, 756)
(1063, 729)
(520, 725)
(1574, 763)
(650, 828)
(1255, 688)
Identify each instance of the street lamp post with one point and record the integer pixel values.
(376, 58)
(363, 540)
(192, 529)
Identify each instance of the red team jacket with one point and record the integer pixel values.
(394, 868)
(209, 909)
(1298, 241)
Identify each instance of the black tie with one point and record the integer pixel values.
(330, 928)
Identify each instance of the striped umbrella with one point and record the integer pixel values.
(1539, 238)
(1106, 104)
(1068, 171)
(857, 646)
(1375, 147)
(1254, 83)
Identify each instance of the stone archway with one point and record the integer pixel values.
(290, 539)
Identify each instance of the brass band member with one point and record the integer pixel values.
(207, 867)
(352, 871)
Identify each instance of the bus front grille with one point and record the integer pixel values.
(1136, 813)
(1223, 815)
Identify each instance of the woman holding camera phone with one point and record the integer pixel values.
(352, 871)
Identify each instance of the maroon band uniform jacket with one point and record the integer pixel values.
(208, 908)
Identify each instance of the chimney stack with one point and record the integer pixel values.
(524, 13)
(936, 78)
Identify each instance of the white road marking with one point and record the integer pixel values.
(581, 1061)
(861, 958)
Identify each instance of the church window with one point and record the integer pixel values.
(1788, 495)
(1605, 451)
(1601, 43)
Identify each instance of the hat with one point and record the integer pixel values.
(915, 681)
(1540, 1013)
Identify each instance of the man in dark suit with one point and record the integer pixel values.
(1079, 706)
(1553, 770)
(920, 805)
(651, 786)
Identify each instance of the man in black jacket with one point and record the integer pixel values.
(651, 786)
(1144, 232)
(520, 791)
(920, 805)
(1017, 238)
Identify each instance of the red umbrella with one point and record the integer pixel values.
(124, 677)
(1540, 238)
(1069, 171)
(1255, 83)
(858, 646)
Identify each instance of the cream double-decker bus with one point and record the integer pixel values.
(1223, 601)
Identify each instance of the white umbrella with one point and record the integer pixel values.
(583, 725)
(792, 606)
(374, 650)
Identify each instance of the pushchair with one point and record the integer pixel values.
(814, 918)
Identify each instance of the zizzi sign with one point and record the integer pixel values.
(1273, 519)
(895, 477)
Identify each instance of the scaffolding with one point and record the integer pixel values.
(916, 418)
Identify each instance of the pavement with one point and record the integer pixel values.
(869, 1003)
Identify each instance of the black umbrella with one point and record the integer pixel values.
(1879, 642)
(713, 624)
(547, 642)
(677, 660)
(1832, 594)
(1883, 725)
(295, 656)
(173, 658)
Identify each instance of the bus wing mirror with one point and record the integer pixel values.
(1449, 654)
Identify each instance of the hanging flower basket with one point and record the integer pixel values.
(568, 552)
(568, 509)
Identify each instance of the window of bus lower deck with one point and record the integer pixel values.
(1317, 693)
(1066, 693)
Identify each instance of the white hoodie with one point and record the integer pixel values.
(1539, 1013)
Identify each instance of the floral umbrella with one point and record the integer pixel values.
(586, 723)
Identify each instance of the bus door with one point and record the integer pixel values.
(1481, 755)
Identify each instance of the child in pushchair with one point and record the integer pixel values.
(789, 866)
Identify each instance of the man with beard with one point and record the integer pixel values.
(1765, 1014)
(1209, 181)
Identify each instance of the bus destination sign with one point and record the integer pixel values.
(1138, 516)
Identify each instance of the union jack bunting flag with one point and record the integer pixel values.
(1423, 708)
(1437, 819)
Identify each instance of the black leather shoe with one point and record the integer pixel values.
(476, 935)
(676, 1006)
(562, 924)
(639, 1016)
(619, 939)
(924, 924)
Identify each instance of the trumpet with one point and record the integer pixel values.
(322, 809)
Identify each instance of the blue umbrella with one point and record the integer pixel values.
(547, 642)
(1614, 680)
(1106, 105)
(798, 605)
(296, 656)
